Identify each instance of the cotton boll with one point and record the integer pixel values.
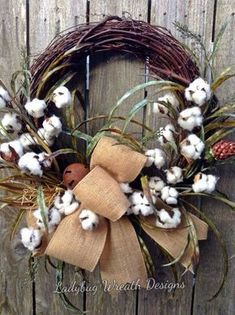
(71, 208)
(27, 140)
(190, 118)
(4, 97)
(52, 217)
(169, 195)
(160, 158)
(89, 220)
(169, 220)
(211, 183)
(166, 134)
(204, 183)
(9, 149)
(174, 175)
(52, 126)
(140, 204)
(156, 184)
(11, 123)
(66, 204)
(150, 157)
(29, 163)
(48, 139)
(126, 188)
(44, 160)
(36, 108)
(198, 92)
(62, 97)
(31, 238)
(192, 147)
(158, 107)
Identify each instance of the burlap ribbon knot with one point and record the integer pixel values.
(114, 243)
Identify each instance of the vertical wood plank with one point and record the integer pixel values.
(15, 286)
(12, 37)
(13, 263)
(110, 77)
(198, 16)
(47, 19)
(210, 273)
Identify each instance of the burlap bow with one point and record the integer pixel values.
(114, 243)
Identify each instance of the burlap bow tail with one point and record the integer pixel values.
(114, 243)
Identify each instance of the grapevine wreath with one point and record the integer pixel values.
(82, 207)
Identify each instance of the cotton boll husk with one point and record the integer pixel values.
(31, 238)
(44, 160)
(89, 220)
(166, 134)
(62, 97)
(27, 140)
(4, 97)
(36, 108)
(159, 108)
(15, 144)
(167, 221)
(11, 123)
(29, 163)
(52, 126)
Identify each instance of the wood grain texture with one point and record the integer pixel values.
(210, 272)
(110, 77)
(15, 288)
(47, 19)
(12, 37)
(198, 16)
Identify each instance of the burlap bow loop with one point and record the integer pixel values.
(115, 238)
(114, 243)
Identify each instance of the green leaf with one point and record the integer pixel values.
(42, 206)
(16, 223)
(224, 200)
(59, 282)
(135, 109)
(162, 83)
(220, 241)
(81, 135)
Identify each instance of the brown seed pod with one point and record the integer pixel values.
(74, 173)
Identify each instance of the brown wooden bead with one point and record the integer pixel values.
(74, 173)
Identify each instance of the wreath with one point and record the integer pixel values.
(97, 207)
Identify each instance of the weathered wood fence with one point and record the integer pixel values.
(31, 25)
